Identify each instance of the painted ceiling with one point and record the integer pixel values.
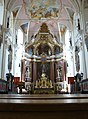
(42, 8)
(30, 14)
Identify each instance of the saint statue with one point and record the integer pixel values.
(43, 68)
(10, 61)
(43, 80)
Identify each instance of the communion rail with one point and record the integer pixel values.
(54, 106)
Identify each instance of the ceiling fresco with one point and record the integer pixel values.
(42, 8)
(30, 14)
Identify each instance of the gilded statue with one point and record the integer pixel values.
(43, 80)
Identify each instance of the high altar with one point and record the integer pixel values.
(43, 66)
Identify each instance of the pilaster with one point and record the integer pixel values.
(83, 43)
(3, 43)
(52, 70)
(13, 49)
(34, 71)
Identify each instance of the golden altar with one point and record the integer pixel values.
(43, 85)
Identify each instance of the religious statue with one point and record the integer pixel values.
(43, 80)
(43, 68)
(10, 59)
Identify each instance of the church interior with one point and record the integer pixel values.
(43, 59)
(43, 46)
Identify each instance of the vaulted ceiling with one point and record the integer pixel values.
(34, 12)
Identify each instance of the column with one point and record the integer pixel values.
(22, 70)
(83, 42)
(34, 71)
(64, 70)
(52, 71)
(13, 50)
(3, 44)
(73, 52)
(28, 32)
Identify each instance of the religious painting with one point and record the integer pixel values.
(44, 48)
(43, 8)
(10, 58)
(77, 60)
(43, 68)
(10, 61)
(57, 50)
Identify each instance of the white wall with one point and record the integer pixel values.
(86, 57)
(17, 61)
(69, 56)
(1, 14)
(6, 63)
(86, 14)
(18, 53)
